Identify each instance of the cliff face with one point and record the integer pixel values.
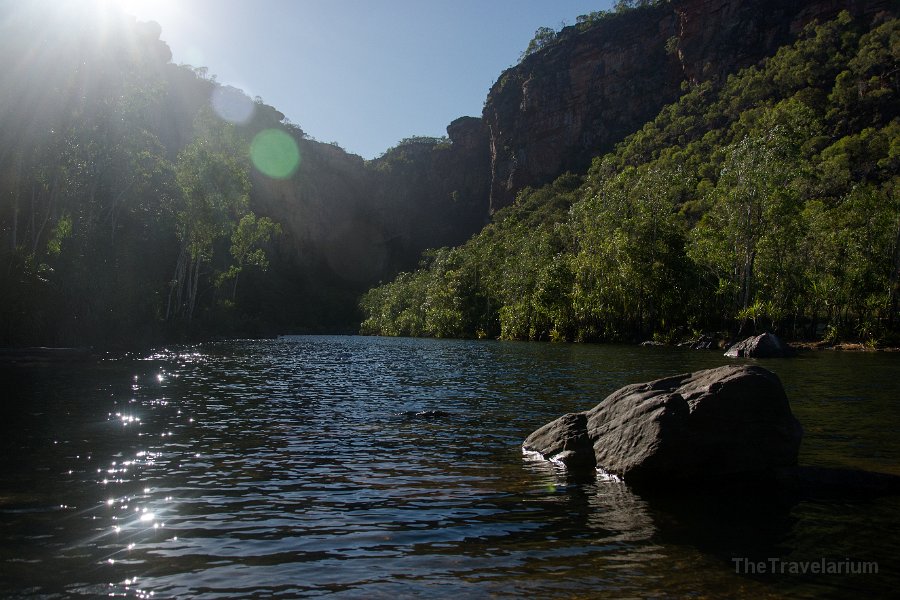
(359, 221)
(348, 223)
(365, 221)
(718, 37)
(428, 193)
(578, 97)
(560, 106)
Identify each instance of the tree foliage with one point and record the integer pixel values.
(768, 201)
(99, 202)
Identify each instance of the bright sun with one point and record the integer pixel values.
(144, 10)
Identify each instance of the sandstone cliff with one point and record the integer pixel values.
(351, 223)
(361, 221)
(576, 98)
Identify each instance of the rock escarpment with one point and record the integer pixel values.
(577, 97)
(732, 421)
(361, 221)
(431, 192)
(580, 95)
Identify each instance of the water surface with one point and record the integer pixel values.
(294, 468)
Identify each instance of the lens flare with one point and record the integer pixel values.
(232, 104)
(275, 153)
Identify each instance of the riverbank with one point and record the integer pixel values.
(721, 341)
(843, 346)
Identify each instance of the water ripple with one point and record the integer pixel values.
(367, 467)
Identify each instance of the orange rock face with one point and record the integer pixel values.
(576, 98)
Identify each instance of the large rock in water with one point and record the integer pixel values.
(765, 345)
(732, 421)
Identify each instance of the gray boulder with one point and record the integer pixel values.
(732, 421)
(766, 345)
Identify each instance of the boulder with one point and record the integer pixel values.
(728, 422)
(766, 345)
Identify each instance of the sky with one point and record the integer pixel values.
(362, 73)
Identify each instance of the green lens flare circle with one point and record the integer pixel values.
(275, 153)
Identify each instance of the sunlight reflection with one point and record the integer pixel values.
(126, 419)
(140, 593)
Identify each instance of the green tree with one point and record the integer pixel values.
(770, 198)
(630, 265)
(853, 260)
(213, 177)
(543, 37)
(247, 241)
(741, 240)
(867, 91)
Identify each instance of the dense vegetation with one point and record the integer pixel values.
(132, 211)
(767, 201)
(126, 206)
(141, 201)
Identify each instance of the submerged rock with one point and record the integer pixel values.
(424, 414)
(766, 345)
(732, 421)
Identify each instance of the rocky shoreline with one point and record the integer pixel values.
(843, 346)
(719, 342)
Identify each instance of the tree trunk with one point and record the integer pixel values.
(192, 298)
(14, 242)
(894, 282)
(177, 285)
(51, 197)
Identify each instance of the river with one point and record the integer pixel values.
(297, 467)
